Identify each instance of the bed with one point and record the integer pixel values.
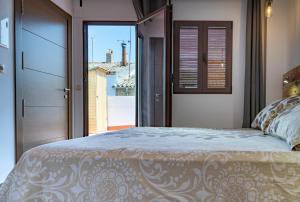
(160, 164)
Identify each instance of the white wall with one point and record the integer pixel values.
(92, 10)
(121, 110)
(283, 44)
(7, 137)
(214, 111)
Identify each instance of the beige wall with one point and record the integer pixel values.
(93, 10)
(214, 111)
(283, 44)
(97, 101)
(101, 102)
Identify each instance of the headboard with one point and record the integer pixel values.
(291, 83)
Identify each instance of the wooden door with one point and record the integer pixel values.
(43, 95)
(155, 83)
(157, 64)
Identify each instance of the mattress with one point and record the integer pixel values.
(158, 164)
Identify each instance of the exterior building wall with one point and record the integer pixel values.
(101, 102)
(111, 81)
(121, 112)
(97, 101)
(92, 101)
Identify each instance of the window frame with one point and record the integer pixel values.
(203, 57)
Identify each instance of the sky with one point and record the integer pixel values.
(106, 37)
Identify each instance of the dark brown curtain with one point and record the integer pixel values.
(255, 88)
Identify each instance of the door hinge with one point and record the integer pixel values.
(22, 60)
(22, 7)
(23, 108)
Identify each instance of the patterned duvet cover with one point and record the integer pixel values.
(158, 164)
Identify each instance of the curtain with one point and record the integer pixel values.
(255, 87)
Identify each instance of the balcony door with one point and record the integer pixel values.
(154, 45)
(110, 76)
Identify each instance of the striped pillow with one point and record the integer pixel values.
(287, 126)
(264, 115)
(269, 113)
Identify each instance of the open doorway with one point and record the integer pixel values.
(110, 77)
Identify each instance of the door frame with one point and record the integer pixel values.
(85, 25)
(18, 59)
(169, 60)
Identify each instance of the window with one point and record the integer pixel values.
(203, 57)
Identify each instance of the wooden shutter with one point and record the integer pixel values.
(202, 57)
(187, 52)
(218, 49)
(188, 57)
(216, 63)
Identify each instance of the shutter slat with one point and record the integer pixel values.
(188, 57)
(216, 66)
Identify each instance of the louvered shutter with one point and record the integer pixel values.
(202, 57)
(216, 57)
(187, 50)
(217, 73)
(188, 57)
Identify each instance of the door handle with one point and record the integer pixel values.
(67, 90)
(157, 97)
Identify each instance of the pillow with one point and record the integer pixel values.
(287, 126)
(265, 117)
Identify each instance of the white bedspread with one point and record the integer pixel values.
(158, 164)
